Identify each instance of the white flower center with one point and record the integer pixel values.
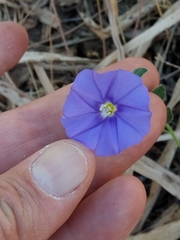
(107, 109)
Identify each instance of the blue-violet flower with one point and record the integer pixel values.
(107, 112)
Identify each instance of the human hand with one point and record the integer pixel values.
(113, 203)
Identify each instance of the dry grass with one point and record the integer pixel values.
(66, 37)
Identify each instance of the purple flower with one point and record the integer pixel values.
(107, 112)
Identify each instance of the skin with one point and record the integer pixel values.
(29, 128)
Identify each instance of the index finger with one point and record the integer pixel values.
(28, 128)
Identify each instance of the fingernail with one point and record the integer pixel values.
(60, 169)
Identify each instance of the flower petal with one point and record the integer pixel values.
(90, 137)
(104, 82)
(108, 139)
(127, 135)
(86, 88)
(124, 83)
(75, 106)
(138, 119)
(79, 124)
(137, 98)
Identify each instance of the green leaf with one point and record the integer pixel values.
(140, 71)
(160, 91)
(169, 115)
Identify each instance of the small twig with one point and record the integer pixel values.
(62, 33)
(167, 48)
(161, 15)
(121, 30)
(7, 12)
(29, 13)
(9, 79)
(138, 19)
(159, 57)
(114, 30)
(167, 76)
(101, 25)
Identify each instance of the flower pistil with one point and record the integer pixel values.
(107, 109)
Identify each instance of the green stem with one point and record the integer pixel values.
(173, 135)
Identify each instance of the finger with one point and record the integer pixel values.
(150, 79)
(37, 124)
(110, 213)
(38, 195)
(13, 43)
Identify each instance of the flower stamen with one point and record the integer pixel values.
(107, 109)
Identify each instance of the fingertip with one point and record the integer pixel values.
(13, 44)
(133, 186)
(135, 195)
(150, 79)
(129, 196)
(159, 115)
(115, 208)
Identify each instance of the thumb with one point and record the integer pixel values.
(39, 194)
